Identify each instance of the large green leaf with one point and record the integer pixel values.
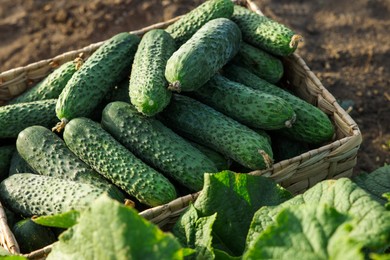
(373, 229)
(376, 183)
(306, 232)
(63, 220)
(196, 232)
(109, 230)
(236, 197)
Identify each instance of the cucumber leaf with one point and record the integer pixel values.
(196, 232)
(308, 231)
(346, 197)
(236, 197)
(110, 230)
(387, 196)
(376, 183)
(63, 220)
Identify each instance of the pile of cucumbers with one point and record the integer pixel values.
(143, 118)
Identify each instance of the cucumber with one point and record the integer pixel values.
(207, 51)
(16, 117)
(31, 236)
(47, 154)
(6, 153)
(203, 124)
(220, 161)
(188, 24)
(19, 165)
(265, 33)
(148, 86)
(106, 67)
(312, 125)
(250, 107)
(45, 195)
(51, 86)
(157, 145)
(259, 62)
(104, 154)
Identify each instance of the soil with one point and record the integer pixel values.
(346, 46)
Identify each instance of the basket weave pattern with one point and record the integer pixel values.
(331, 161)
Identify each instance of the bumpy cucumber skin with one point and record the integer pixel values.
(263, 32)
(50, 87)
(157, 145)
(259, 62)
(207, 51)
(47, 154)
(186, 26)
(6, 153)
(107, 66)
(31, 236)
(14, 118)
(19, 165)
(246, 105)
(45, 195)
(148, 86)
(311, 125)
(220, 161)
(202, 124)
(96, 147)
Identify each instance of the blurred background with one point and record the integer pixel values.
(346, 46)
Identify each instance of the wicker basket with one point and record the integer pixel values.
(333, 160)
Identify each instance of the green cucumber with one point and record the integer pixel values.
(148, 86)
(312, 124)
(157, 145)
(259, 62)
(106, 67)
(220, 161)
(19, 165)
(96, 147)
(51, 86)
(250, 107)
(16, 117)
(207, 51)
(188, 24)
(204, 125)
(45, 195)
(31, 236)
(265, 33)
(6, 153)
(47, 154)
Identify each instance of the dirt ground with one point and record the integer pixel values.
(346, 46)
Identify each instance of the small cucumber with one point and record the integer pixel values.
(16, 117)
(188, 24)
(250, 107)
(265, 33)
(312, 125)
(47, 154)
(96, 147)
(160, 146)
(31, 236)
(45, 195)
(207, 51)
(6, 153)
(259, 62)
(148, 86)
(106, 67)
(204, 125)
(51, 86)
